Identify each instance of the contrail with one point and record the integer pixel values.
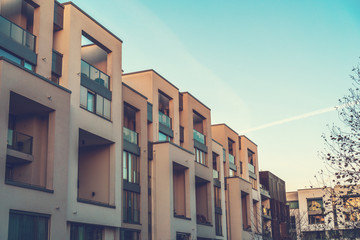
(302, 116)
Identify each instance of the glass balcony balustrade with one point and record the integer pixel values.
(215, 174)
(19, 141)
(17, 33)
(251, 168)
(130, 136)
(92, 73)
(164, 119)
(199, 137)
(231, 159)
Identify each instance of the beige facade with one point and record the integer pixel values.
(242, 193)
(324, 213)
(87, 152)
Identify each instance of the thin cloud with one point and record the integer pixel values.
(286, 120)
(302, 116)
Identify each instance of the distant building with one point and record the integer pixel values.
(324, 213)
(275, 212)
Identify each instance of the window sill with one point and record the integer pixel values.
(28, 186)
(81, 200)
(95, 114)
(182, 217)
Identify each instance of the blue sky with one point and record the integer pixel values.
(252, 62)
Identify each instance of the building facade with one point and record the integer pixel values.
(324, 213)
(275, 211)
(88, 152)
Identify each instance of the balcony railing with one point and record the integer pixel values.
(19, 141)
(199, 137)
(92, 73)
(231, 159)
(130, 136)
(215, 174)
(251, 168)
(17, 33)
(164, 119)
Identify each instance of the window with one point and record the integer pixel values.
(217, 197)
(292, 222)
(24, 225)
(218, 225)
(351, 209)
(179, 190)
(164, 138)
(85, 232)
(131, 203)
(315, 211)
(251, 157)
(200, 157)
(131, 168)
(94, 103)
(231, 173)
(293, 204)
(244, 208)
(129, 235)
(17, 60)
(202, 203)
(253, 183)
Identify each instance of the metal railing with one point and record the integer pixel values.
(231, 159)
(17, 33)
(92, 73)
(164, 119)
(199, 137)
(130, 136)
(19, 141)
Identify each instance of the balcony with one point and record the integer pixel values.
(164, 120)
(17, 34)
(199, 137)
(19, 147)
(19, 142)
(130, 136)
(90, 72)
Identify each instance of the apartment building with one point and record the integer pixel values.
(87, 152)
(324, 213)
(275, 211)
(182, 179)
(242, 194)
(34, 120)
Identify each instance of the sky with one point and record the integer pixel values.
(272, 70)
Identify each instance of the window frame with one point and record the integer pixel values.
(84, 103)
(128, 160)
(130, 208)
